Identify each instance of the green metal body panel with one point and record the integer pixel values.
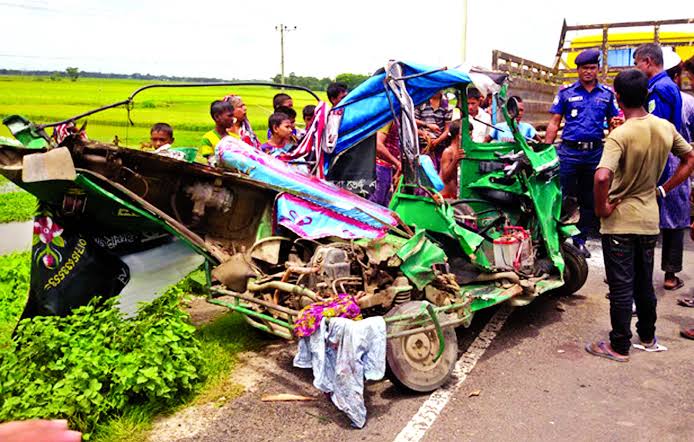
(490, 181)
(419, 255)
(106, 207)
(424, 213)
(25, 132)
(568, 230)
(543, 193)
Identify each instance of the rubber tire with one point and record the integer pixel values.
(408, 377)
(575, 269)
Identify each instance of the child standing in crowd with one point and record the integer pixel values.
(450, 160)
(281, 131)
(308, 114)
(161, 136)
(222, 112)
(282, 99)
(291, 114)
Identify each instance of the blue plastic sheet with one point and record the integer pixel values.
(367, 108)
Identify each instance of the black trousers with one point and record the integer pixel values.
(629, 268)
(673, 249)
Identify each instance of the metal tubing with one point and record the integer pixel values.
(445, 308)
(414, 331)
(226, 83)
(285, 286)
(129, 100)
(248, 298)
(253, 323)
(439, 332)
(250, 312)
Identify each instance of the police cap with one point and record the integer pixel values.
(589, 56)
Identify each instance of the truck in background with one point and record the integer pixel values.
(538, 84)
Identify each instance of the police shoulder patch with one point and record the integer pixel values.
(651, 106)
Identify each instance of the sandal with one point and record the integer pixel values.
(651, 348)
(686, 302)
(687, 333)
(677, 285)
(602, 350)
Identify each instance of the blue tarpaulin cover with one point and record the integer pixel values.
(367, 108)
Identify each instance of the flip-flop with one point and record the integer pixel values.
(654, 347)
(600, 349)
(687, 333)
(686, 302)
(678, 284)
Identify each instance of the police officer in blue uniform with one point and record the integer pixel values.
(586, 106)
(664, 101)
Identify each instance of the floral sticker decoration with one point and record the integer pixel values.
(47, 232)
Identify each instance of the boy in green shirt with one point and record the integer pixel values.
(625, 189)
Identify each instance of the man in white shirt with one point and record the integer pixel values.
(479, 119)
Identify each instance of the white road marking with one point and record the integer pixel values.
(432, 407)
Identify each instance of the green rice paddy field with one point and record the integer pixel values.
(42, 100)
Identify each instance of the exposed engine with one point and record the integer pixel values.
(311, 271)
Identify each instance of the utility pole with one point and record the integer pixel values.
(464, 30)
(283, 29)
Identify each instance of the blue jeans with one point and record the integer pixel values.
(576, 173)
(629, 268)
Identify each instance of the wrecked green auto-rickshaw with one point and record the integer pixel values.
(274, 239)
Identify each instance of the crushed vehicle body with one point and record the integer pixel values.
(275, 240)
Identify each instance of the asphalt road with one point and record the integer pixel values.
(534, 382)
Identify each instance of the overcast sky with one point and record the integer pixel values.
(237, 39)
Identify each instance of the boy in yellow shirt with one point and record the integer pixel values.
(222, 112)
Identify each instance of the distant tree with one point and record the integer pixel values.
(351, 80)
(56, 76)
(312, 83)
(72, 73)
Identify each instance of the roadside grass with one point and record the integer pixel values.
(221, 341)
(17, 206)
(186, 109)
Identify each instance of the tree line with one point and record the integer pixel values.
(73, 73)
(320, 84)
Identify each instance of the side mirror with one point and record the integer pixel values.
(512, 108)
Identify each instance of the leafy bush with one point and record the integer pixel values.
(17, 206)
(94, 364)
(14, 285)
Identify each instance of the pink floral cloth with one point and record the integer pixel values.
(344, 306)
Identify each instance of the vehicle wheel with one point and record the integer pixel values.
(575, 269)
(410, 358)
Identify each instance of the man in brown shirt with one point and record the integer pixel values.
(625, 190)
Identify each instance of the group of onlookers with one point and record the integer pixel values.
(231, 119)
